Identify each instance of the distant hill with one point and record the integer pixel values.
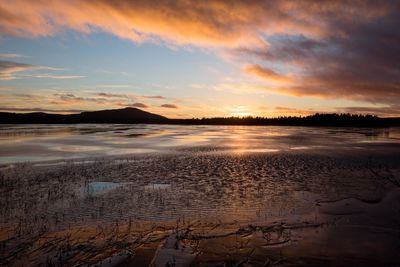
(135, 115)
(125, 115)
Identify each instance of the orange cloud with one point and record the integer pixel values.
(292, 111)
(267, 74)
(215, 23)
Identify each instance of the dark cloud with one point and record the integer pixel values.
(169, 106)
(137, 105)
(153, 97)
(285, 49)
(25, 95)
(112, 95)
(360, 63)
(383, 111)
(71, 98)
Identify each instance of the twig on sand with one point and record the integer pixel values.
(389, 176)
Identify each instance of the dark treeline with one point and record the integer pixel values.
(134, 115)
(343, 120)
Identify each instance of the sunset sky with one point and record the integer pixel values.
(184, 59)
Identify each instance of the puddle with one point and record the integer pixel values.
(94, 188)
(6, 167)
(255, 150)
(381, 208)
(156, 186)
(75, 148)
(299, 147)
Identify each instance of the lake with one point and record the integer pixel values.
(134, 195)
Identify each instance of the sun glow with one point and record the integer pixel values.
(241, 114)
(239, 111)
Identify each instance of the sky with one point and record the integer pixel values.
(185, 59)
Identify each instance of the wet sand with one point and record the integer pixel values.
(203, 205)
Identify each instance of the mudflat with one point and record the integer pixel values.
(120, 195)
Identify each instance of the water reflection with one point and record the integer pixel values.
(51, 142)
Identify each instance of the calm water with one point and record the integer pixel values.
(25, 143)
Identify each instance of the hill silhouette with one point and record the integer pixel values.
(125, 115)
(135, 115)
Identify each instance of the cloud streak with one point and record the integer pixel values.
(10, 70)
(38, 109)
(169, 106)
(10, 55)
